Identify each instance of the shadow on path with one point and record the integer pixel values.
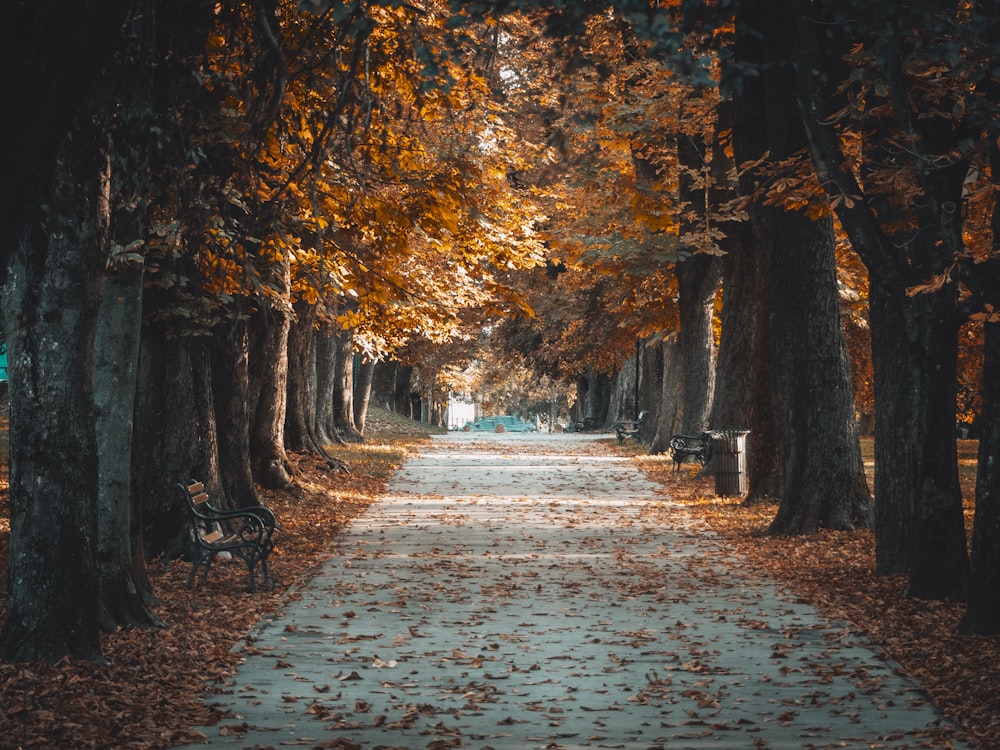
(525, 592)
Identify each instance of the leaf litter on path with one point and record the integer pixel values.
(572, 604)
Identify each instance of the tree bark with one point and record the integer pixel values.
(825, 483)
(269, 387)
(698, 284)
(326, 368)
(751, 141)
(59, 52)
(670, 401)
(174, 438)
(918, 513)
(402, 390)
(731, 405)
(230, 390)
(343, 387)
(362, 393)
(802, 353)
(301, 411)
(983, 613)
(123, 602)
(124, 584)
(51, 300)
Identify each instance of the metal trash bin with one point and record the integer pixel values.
(730, 455)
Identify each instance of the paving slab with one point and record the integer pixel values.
(525, 591)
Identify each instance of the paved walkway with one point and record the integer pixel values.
(523, 591)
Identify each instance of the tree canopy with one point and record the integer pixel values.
(617, 196)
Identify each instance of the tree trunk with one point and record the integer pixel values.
(51, 301)
(919, 523)
(698, 280)
(983, 614)
(230, 391)
(326, 368)
(268, 389)
(343, 388)
(752, 138)
(825, 484)
(731, 405)
(174, 438)
(698, 284)
(60, 51)
(124, 584)
(670, 412)
(402, 401)
(362, 393)
(301, 411)
(804, 449)
(917, 433)
(623, 386)
(123, 602)
(651, 390)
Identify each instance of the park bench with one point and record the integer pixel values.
(243, 532)
(685, 447)
(626, 428)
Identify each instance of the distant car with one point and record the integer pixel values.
(510, 424)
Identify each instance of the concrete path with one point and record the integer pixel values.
(525, 591)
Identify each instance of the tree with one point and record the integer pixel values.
(801, 350)
(915, 68)
(51, 302)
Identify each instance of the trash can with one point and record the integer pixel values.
(729, 452)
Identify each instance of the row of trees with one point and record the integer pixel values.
(729, 158)
(222, 204)
(217, 204)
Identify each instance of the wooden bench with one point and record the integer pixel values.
(244, 532)
(626, 428)
(685, 447)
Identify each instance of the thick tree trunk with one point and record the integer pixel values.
(326, 369)
(651, 390)
(731, 405)
(623, 392)
(896, 384)
(983, 614)
(51, 301)
(918, 498)
(825, 484)
(752, 139)
(124, 584)
(268, 388)
(698, 280)
(301, 403)
(802, 410)
(174, 439)
(919, 523)
(59, 52)
(362, 393)
(230, 391)
(698, 284)
(123, 600)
